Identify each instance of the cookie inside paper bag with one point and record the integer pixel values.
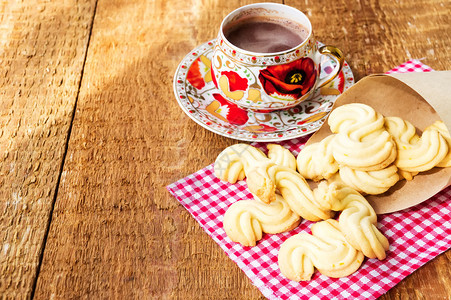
(403, 97)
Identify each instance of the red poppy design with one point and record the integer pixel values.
(291, 80)
(213, 78)
(194, 76)
(233, 113)
(236, 82)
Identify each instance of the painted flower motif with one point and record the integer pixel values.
(254, 93)
(335, 87)
(312, 118)
(212, 73)
(230, 111)
(199, 72)
(340, 79)
(260, 128)
(267, 128)
(290, 81)
(236, 82)
(232, 85)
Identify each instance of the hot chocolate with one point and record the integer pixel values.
(265, 34)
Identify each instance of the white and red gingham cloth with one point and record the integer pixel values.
(416, 236)
(411, 66)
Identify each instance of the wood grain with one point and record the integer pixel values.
(42, 49)
(115, 231)
(376, 36)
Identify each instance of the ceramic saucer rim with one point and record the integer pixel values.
(253, 136)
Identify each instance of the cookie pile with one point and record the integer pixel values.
(366, 154)
(371, 153)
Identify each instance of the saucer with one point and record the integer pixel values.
(202, 102)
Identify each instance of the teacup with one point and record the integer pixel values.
(265, 58)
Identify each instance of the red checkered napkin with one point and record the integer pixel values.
(411, 66)
(416, 236)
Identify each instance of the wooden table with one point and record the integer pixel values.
(90, 135)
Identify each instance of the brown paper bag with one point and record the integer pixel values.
(421, 99)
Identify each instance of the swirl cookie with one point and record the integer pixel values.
(358, 221)
(246, 220)
(316, 161)
(441, 127)
(361, 141)
(281, 156)
(416, 154)
(265, 177)
(370, 182)
(231, 163)
(326, 250)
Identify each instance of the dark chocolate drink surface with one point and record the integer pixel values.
(265, 35)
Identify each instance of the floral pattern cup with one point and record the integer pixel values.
(265, 82)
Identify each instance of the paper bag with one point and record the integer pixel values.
(420, 98)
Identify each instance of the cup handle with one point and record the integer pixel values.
(335, 54)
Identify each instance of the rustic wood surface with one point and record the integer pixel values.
(42, 51)
(90, 135)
